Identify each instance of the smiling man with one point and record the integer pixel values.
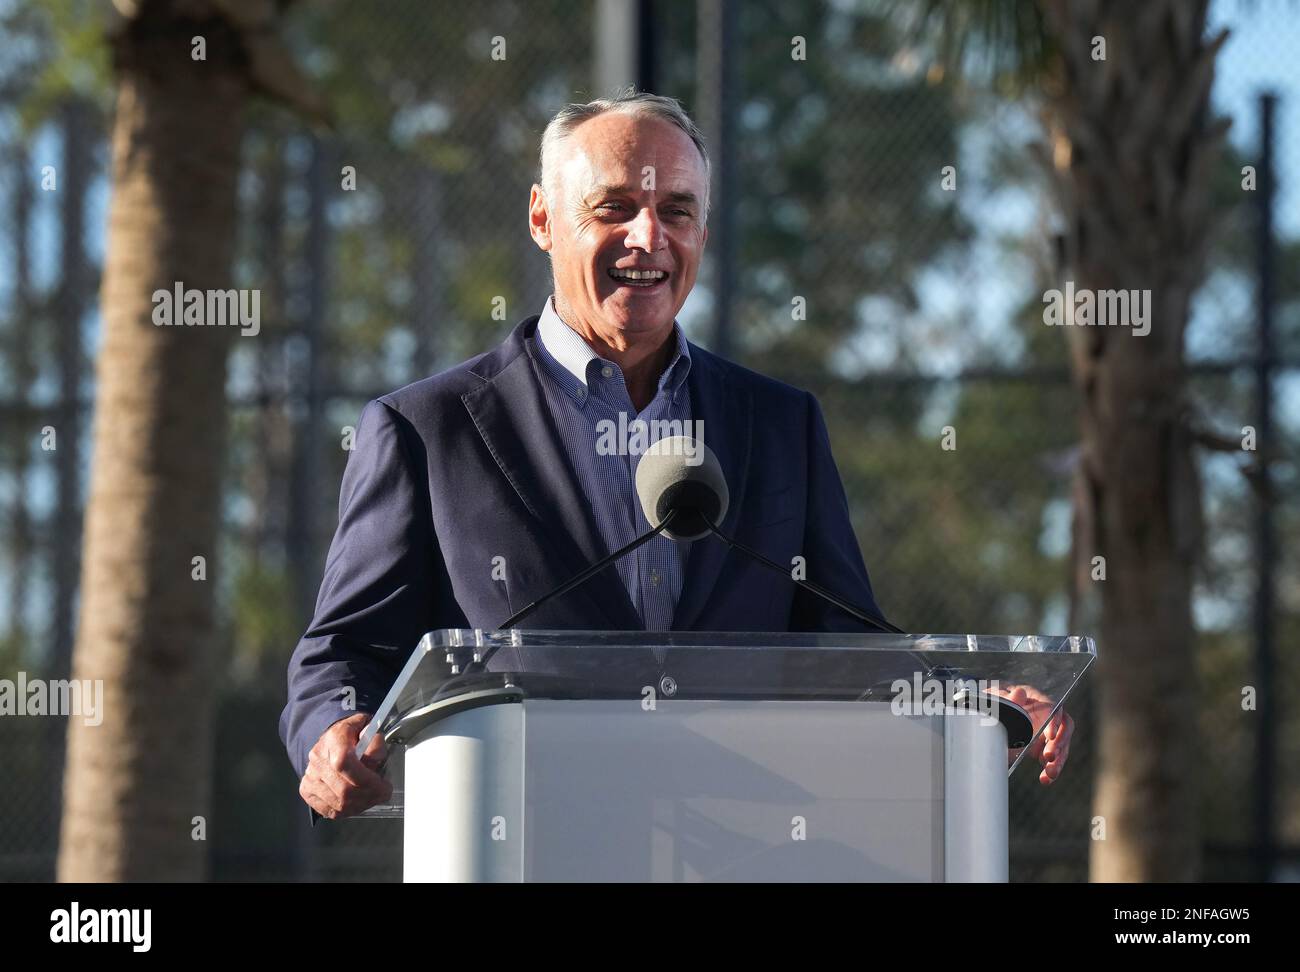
(473, 493)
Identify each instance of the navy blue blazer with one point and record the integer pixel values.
(455, 470)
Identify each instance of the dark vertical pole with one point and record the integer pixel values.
(718, 98)
(647, 52)
(71, 300)
(428, 310)
(304, 472)
(22, 539)
(1265, 552)
(269, 517)
(307, 411)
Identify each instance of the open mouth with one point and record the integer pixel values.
(638, 279)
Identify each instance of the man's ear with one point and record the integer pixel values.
(539, 218)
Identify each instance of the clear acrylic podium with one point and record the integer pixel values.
(686, 756)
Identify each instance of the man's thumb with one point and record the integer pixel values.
(351, 727)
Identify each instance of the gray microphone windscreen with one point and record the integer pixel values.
(681, 473)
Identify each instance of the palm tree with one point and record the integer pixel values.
(135, 783)
(1130, 148)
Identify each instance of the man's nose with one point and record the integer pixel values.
(646, 232)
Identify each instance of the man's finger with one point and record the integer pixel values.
(319, 798)
(1052, 763)
(376, 754)
(342, 782)
(1056, 754)
(1051, 747)
(357, 785)
(352, 778)
(1067, 730)
(343, 761)
(341, 797)
(325, 779)
(350, 731)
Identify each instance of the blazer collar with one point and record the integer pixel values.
(509, 410)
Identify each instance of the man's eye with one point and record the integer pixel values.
(609, 206)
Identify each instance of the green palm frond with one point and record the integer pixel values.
(1005, 43)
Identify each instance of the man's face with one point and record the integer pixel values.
(630, 197)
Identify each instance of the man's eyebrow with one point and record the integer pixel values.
(684, 197)
(607, 189)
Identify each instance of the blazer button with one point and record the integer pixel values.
(668, 686)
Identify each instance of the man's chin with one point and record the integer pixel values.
(638, 315)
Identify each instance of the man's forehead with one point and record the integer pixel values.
(616, 153)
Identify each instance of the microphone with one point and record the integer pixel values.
(669, 483)
(687, 500)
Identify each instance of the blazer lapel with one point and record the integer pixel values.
(511, 415)
(727, 415)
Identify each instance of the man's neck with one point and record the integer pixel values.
(642, 363)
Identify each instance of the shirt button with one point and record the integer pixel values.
(607, 371)
(582, 393)
(655, 578)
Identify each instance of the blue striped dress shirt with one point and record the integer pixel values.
(588, 398)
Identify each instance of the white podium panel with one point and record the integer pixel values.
(700, 790)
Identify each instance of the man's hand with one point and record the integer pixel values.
(1052, 747)
(336, 783)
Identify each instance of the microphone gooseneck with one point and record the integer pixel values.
(590, 572)
(880, 624)
(576, 581)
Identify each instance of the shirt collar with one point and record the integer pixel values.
(570, 359)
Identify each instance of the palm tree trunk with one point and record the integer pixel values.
(135, 783)
(1135, 183)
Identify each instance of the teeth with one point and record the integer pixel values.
(637, 274)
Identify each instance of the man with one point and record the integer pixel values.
(472, 493)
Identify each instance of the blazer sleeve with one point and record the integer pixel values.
(831, 552)
(374, 602)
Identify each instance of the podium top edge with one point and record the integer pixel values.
(870, 641)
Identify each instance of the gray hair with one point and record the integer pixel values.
(626, 102)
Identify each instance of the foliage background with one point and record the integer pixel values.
(923, 311)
